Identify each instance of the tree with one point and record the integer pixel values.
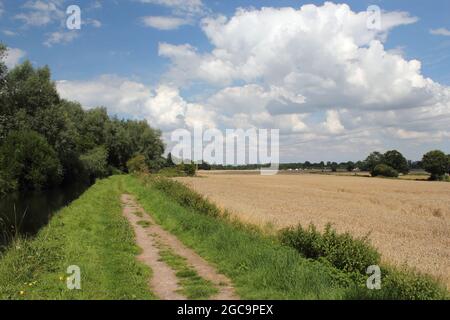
(29, 89)
(350, 166)
(137, 164)
(86, 143)
(27, 161)
(397, 161)
(169, 162)
(448, 157)
(3, 68)
(95, 162)
(334, 167)
(436, 163)
(190, 169)
(118, 142)
(374, 159)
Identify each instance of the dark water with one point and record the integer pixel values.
(27, 212)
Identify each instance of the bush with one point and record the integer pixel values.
(95, 162)
(409, 285)
(27, 161)
(137, 164)
(341, 250)
(190, 169)
(436, 163)
(383, 170)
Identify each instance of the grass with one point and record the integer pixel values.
(144, 223)
(259, 266)
(194, 286)
(262, 267)
(92, 234)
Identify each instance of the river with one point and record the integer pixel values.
(26, 213)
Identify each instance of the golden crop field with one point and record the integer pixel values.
(408, 221)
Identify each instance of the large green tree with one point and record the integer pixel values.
(436, 163)
(373, 160)
(29, 89)
(82, 143)
(397, 161)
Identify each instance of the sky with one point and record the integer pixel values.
(337, 80)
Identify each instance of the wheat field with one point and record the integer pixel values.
(408, 221)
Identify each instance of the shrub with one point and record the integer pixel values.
(383, 170)
(95, 162)
(409, 285)
(436, 163)
(190, 169)
(27, 161)
(137, 164)
(341, 250)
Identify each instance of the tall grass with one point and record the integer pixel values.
(10, 231)
(328, 264)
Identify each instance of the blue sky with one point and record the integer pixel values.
(123, 46)
(138, 47)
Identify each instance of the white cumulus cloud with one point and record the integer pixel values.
(164, 23)
(13, 57)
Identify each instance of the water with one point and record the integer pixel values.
(26, 213)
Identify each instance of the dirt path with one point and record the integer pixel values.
(164, 282)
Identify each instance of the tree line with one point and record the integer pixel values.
(390, 164)
(46, 141)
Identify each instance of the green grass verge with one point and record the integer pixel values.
(194, 286)
(91, 233)
(259, 266)
(262, 267)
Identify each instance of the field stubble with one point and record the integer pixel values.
(408, 221)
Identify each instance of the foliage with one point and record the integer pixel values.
(81, 139)
(190, 169)
(334, 167)
(27, 160)
(373, 160)
(383, 170)
(95, 162)
(350, 166)
(3, 69)
(29, 89)
(436, 163)
(185, 196)
(397, 161)
(172, 172)
(341, 250)
(169, 162)
(137, 164)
